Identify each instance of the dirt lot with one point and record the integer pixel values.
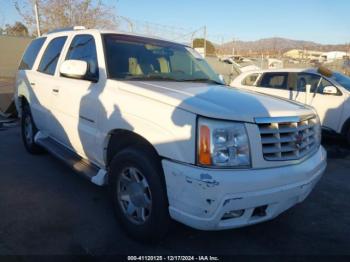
(47, 209)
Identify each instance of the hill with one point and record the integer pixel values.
(277, 45)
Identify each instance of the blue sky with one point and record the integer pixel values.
(322, 21)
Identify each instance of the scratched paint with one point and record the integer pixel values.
(204, 183)
(210, 201)
(205, 176)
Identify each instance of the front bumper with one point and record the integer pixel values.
(199, 197)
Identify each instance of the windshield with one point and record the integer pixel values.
(341, 79)
(138, 58)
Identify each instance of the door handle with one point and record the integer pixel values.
(32, 83)
(56, 90)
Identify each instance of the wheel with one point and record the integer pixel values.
(29, 131)
(138, 193)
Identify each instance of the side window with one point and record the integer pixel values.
(31, 54)
(52, 53)
(83, 48)
(274, 80)
(304, 79)
(250, 79)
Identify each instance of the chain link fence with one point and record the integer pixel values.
(168, 32)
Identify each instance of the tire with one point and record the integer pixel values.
(347, 136)
(138, 193)
(28, 131)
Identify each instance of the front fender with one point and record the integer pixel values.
(169, 129)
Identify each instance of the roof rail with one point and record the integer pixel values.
(72, 28)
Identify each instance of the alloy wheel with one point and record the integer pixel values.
(134, 195)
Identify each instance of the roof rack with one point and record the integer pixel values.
(72, 28)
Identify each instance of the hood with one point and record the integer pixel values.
(215, 101)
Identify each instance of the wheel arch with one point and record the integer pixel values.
(119, 139)
(346, 127)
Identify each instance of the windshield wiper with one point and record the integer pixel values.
(166, 78)
(203, 80)
(163, 78)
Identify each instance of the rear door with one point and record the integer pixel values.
(26, 83)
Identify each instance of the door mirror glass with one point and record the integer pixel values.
(74, 69)
(222, 79)
(330, 90)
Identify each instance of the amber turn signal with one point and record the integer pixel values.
(204, 146)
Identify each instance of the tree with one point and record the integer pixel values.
(17, 29)
(55, 14)
(210, 48)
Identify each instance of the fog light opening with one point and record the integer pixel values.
(233, 214)
(259, 211)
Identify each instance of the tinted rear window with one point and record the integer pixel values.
(52, 53)
(31, 54)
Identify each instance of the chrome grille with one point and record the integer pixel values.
(288, 138)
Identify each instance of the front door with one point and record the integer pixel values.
(76, 105)
(328, 106)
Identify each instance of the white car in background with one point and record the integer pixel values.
(242, 65)
(329, 92)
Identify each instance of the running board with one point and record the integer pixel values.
(88, 170)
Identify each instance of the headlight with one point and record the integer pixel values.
(222, 143)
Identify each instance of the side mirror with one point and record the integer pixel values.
(74, 69)
(330, 90)
(222, 79)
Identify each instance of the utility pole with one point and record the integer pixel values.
(233, 46)
(37, 17)
(222, 46)
(205, 41)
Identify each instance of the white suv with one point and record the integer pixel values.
(329, 92)
(152, 120)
